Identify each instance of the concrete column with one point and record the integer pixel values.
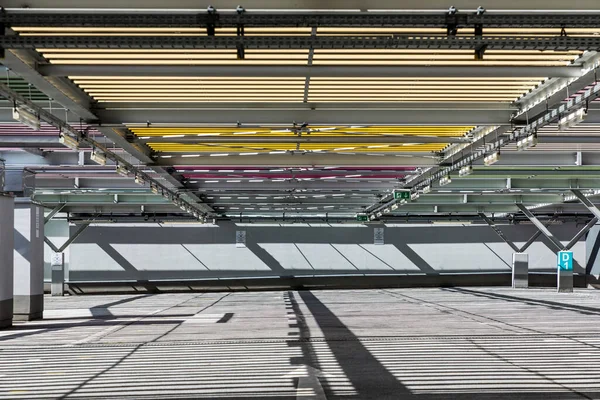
(6, 260)
(520, 270)
(57, 263)
(565, 271)
(29, 262)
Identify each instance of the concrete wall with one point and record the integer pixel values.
(153, 252)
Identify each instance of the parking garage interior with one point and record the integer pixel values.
(320, 200)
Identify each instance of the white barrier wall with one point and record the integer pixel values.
(153, 252)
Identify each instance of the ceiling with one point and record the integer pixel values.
(302, 114)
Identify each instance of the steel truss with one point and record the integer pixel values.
(300, 19)
(560, 43)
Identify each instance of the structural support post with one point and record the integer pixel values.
(564, 281)
(541, 227)
(29, 261)
(587, 203)
(520, 270)
(499, 232)
(6, 259)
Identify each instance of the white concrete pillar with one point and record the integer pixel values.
(29, 262)
(6, 259)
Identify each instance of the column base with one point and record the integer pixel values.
(28, 308)
(6, 313)
(57, 288)
(520, 271)
(565, 281)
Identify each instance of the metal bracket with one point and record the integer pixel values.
(241, 53)
(479, 52)
(211, 21)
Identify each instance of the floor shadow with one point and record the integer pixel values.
(370, 379)
(545, 303)
(105, 307)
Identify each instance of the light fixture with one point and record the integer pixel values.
(527, 143)
(122, 170)
(139, 179)
(394, 206)
(403, 202)
(466, 170)
(379, 214)
(154, 189)
(572, 119)
(386, 210)
(98, 157)
(491, 158)
(68, 141)
(414, 196)
(445, 180)
(372, 217)
(426, 189)
(26, 118)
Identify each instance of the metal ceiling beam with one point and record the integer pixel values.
(500, 142)
(306, 138)
(78, 136)
(76, 101)
(38, 6)
(538, 183)
(346, 116)
(301, 160)
(471, 71)
(556, 91)
(299, 19)
(123, 138)
(331, 106)
(304, 42)
(120, 138)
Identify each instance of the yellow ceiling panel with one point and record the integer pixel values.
(346, 147)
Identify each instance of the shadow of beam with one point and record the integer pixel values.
(368, 376)
(533, 302)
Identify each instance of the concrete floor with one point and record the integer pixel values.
(475, 343)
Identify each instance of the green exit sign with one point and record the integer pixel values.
(402, 194)
(362, 217)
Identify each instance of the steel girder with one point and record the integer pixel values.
(474, 71)
(549, 185)
(60, 90)
(38, 6)
(306, 160)
(300, 19)
(559, 43)
(319, 116)
(347, 138)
